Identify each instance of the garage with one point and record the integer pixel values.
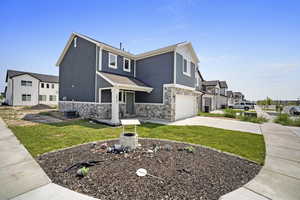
(185, 106)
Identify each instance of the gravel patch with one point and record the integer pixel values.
(203, 174)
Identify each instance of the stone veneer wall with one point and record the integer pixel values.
(165, 111)
(87, 109)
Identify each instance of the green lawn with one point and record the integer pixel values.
(43, 138)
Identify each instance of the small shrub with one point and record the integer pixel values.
(230, 113)
(284, 119)
(258, 120)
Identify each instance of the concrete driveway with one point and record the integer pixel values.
(220, 123)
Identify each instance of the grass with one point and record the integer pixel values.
(258, 120)
(285, 120)
(232, 113)
(204, 114)
(43, 138)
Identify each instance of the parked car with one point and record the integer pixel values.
(242, 105)
(295, 110)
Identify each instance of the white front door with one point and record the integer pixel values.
(185, 106)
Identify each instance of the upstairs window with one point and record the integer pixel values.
(112, 60)
(48, 85)
(42, 85)
(126, 64)
(52, 86)
(26, 83)
(186, 67)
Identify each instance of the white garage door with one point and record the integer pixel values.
(185, 106)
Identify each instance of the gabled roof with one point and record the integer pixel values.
(125, 82)
(124, 53)
(41, 77)
(223, 84)
(229, 93)
(210, 83)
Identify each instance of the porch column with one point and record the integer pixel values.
(115, 106)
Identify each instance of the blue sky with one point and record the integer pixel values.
(253, 45)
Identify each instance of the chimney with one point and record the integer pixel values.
(121, 45)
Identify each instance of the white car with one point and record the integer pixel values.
(242, 105)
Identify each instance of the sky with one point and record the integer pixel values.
(253, 45)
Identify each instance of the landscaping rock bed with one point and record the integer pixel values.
(186, 172)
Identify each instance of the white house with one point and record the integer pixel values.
(215, 94)
(28, 89)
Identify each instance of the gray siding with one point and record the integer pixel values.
(119, 70)
(181, 78)
(101, 83)
(154, 71)
(77, 72)
(105, 96)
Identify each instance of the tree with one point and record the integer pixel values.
(268, 101)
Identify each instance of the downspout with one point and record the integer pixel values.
(96, 64)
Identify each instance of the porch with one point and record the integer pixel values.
(121, 95)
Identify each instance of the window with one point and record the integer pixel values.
(126, 64)
(42, 98)
(26, 83)
(52, 97)
(112, 60)
(42, 85)
(186, 67)
(121, 97)
(47, 85)
(75, 42)
(26, 97)
(52, 86)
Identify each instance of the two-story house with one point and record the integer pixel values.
(28, 89)
(103, 82)
(215, 94)
(230, 99)
(223, 100)
(238, 97)
(212, 94)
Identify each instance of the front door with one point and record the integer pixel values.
(129, 102)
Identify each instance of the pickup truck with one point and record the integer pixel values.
(242, 105)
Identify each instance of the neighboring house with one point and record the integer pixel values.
(212, 94)
(27, 89)
(238, 97)
(215, 94)
(223, 100)
(103, 82)
(230, 97)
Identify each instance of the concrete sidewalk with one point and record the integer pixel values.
(220, 123)
(279, 179)
(21, 178)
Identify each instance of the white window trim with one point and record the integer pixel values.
(129, 65)
(188, 65)
(111, 66)
(100, 59)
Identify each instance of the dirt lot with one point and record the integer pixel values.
(26, 116)
(203, 174)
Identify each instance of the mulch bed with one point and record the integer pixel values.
(204, 174)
